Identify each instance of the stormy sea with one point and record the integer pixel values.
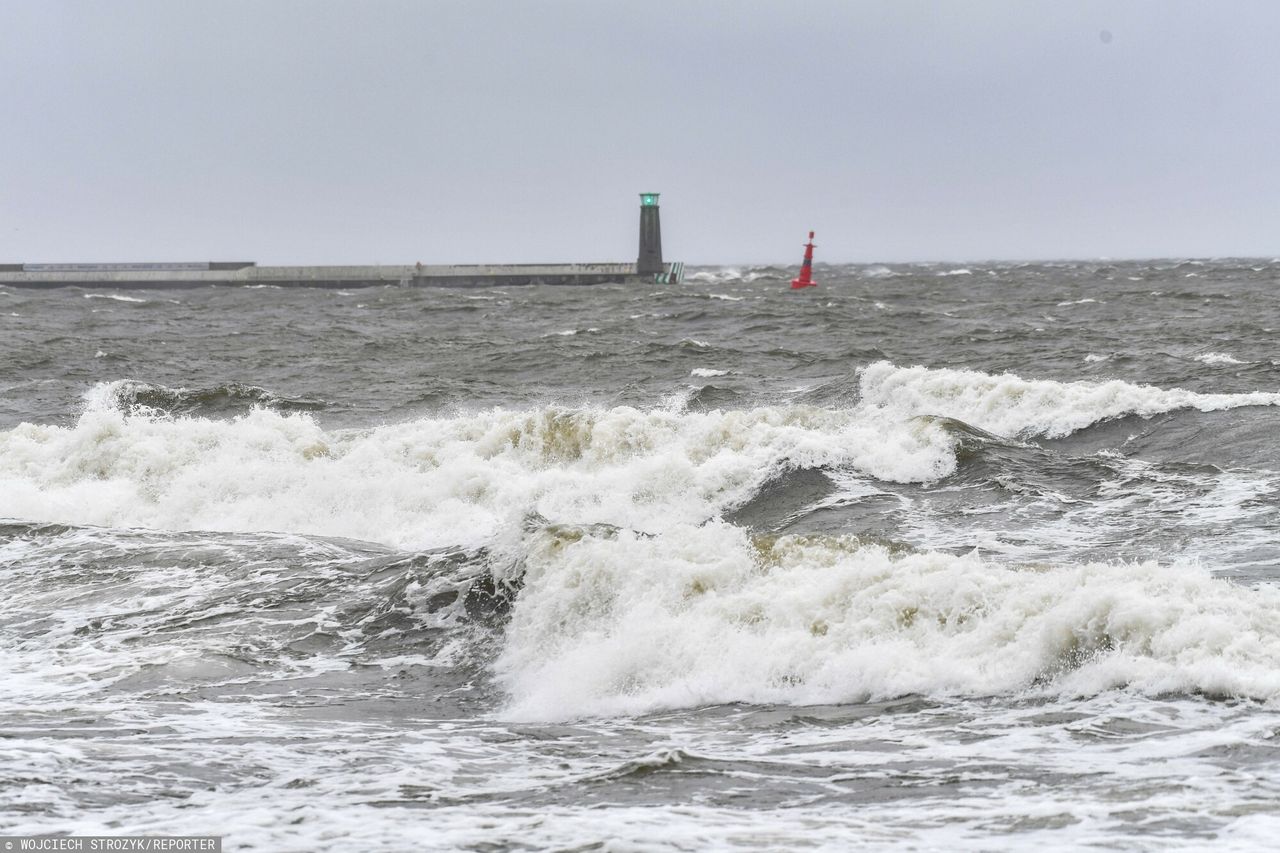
(929, 557)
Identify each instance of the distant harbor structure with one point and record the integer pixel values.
(649, 259)
(648, 268)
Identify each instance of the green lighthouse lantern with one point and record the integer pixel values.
(648, 199)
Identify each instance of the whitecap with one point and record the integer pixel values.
(1218, 358)
(1010, 405)
(699, 615)
(118, 297)
(465, 479)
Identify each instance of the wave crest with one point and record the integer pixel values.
(466, 479)
(149, 400)
(629, 624)
(1012, 406)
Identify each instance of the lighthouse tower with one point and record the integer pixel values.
(649, 261)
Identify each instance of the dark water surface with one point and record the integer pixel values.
(929, 557)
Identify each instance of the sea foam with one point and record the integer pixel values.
(433, 482)
(1009, 405)
(635, 595)
(465, 479)
(628, 624)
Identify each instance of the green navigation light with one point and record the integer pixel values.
(648, 199)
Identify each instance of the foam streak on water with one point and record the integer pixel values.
(935, 557)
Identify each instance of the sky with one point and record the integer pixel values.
(521, 131)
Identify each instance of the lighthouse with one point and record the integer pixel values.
(649, 262)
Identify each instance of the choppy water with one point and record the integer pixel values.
(931, 557)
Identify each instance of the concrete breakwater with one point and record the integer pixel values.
(247, 274)
(648, 268)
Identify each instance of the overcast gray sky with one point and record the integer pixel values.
(392, 132)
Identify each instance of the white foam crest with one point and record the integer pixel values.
(110, 396)
(703, 615)
(1009, 405)
(878, 271)
(570, 333)
(118, 297)
(716, 276)
(707, 372)
(723, 275)
(460, 480)
(946, 273)
(1218, 358)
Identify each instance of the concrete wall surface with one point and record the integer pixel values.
(450, 275)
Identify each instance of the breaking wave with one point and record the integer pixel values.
(635, 589)
(1218, 358)
(720, 275)
(118, 297)
(146, 399)
(148, 456)
(434, 482)
(1011, 406)
(626, 624)
(877, 271)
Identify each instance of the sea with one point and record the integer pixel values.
(929, 557)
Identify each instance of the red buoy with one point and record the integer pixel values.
(806, 268)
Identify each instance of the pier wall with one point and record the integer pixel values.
(415, 275)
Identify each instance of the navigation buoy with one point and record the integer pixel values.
(806, 268)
